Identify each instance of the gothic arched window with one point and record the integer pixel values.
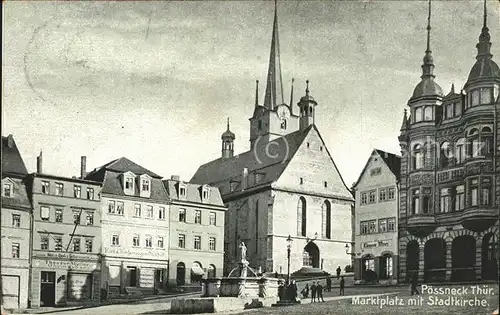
(327, 219)
(301, 217)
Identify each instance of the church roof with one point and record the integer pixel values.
(12, 162)
(268, 159)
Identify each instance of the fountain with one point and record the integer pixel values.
(243, 288)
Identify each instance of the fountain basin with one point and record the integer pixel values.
(217, 304)
(250, 287)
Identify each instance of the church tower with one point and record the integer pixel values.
(307, 106)
(274, 118)
(227, 143)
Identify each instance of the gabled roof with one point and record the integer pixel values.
(392, 161)
(120, 165)
(269, 164)
(12, 162)
(193, 193)
(20, 198)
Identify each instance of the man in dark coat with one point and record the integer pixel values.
(342, 285)
(414, 283)
(313, 292)
(319, 292)
(338, 272)
(328, 284)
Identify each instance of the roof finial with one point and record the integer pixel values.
(256, 93)
(291, 97)
(485, 15)
(307, 87)
(429, 28)
(227, 123)
(484, 44)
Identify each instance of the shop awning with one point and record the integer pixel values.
(197, 270)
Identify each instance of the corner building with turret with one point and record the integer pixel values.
(450, 174)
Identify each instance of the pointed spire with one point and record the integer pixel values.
(274, 88)
(452, 88)
(405, 121)
(484, 44)
(428, 66)
(256, 93)
(291, 97)
(227, 123)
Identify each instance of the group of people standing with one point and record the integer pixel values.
(316, 289)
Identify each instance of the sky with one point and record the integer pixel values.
(156, 81)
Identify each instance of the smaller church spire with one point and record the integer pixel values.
(256, 93)
(228, 142)
(428, 66)
(291, 97)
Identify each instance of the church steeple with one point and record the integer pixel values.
(227, 143)
(274, 88)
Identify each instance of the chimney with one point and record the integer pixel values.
(39, 163)
(10, 141)
(83, 167)
(244, 179)
(175, 177)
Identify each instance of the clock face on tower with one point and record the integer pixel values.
(283, 112)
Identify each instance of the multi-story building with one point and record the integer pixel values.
(66, 238)
(285, 187)
(375, 216)
(196, 247)
(135, 227)
(450, 174)
(15, 226)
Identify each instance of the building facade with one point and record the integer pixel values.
(66, 267)
(287, 184)
(135, 227)
(450, 182)
(15, 226)
(376, 218)
(196, 248)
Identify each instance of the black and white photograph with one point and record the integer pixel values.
(257, 157)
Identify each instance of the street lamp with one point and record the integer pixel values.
(288, 250)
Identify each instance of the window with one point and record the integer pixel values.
(211, 243)
(137, 208)
(45, 187)
(418, 157)
(392, 193)
(460, 151)
(428, 113)
(445, 154)
(77, 190)
(449, 110)
(44, 213)
(364, 198)
(136, 241)
(321, 148)
(161, 213)
(197, 217)
(76, 244)
(111, 206)
(426, 203)
(145, 185)
(59, 189)
(445, 203)
(213, 218)
(120, 207)
(16, 220)
(485, 196)
(473, 192)
(149, 241)
(182, 215)
(460, 197)
(382, 225)
(418, 114)
(58, 243)
(88, 245)
(475, 98)
(182, 241)
(326, 217)
(301, 217)
(259, 124)
(90, 193)
(364, 227)
(160, 242)
(76, 217)
(486, 95)
(15, 250)
(59, 215)
(487, 146)
(129, 183)
(457, 108)
(44, 243)
(205, 193)
(391, 225)
(415, 204)
(372, 197)
(372, 227)
(382, 196)
(89, 219)
(182, 191)
(115, 240)
(149, 212)
(197, 242)
(7, 190)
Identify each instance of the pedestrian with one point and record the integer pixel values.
(319, 292)
(414, 283)
(305, 291)
(328, 283)
(276, 275)
(313, 292)
(295, 290)
(338, 272)
(342, 284)
(281, 290)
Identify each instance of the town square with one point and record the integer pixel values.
(260, 157)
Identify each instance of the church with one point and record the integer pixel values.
(285, 194)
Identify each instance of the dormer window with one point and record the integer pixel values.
(129, 183)
(205, 193)
(145, 185)
(7, 190)
(182, 190)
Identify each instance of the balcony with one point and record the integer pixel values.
(421, 225)
(479, 218)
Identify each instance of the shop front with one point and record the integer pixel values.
(65, 280)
